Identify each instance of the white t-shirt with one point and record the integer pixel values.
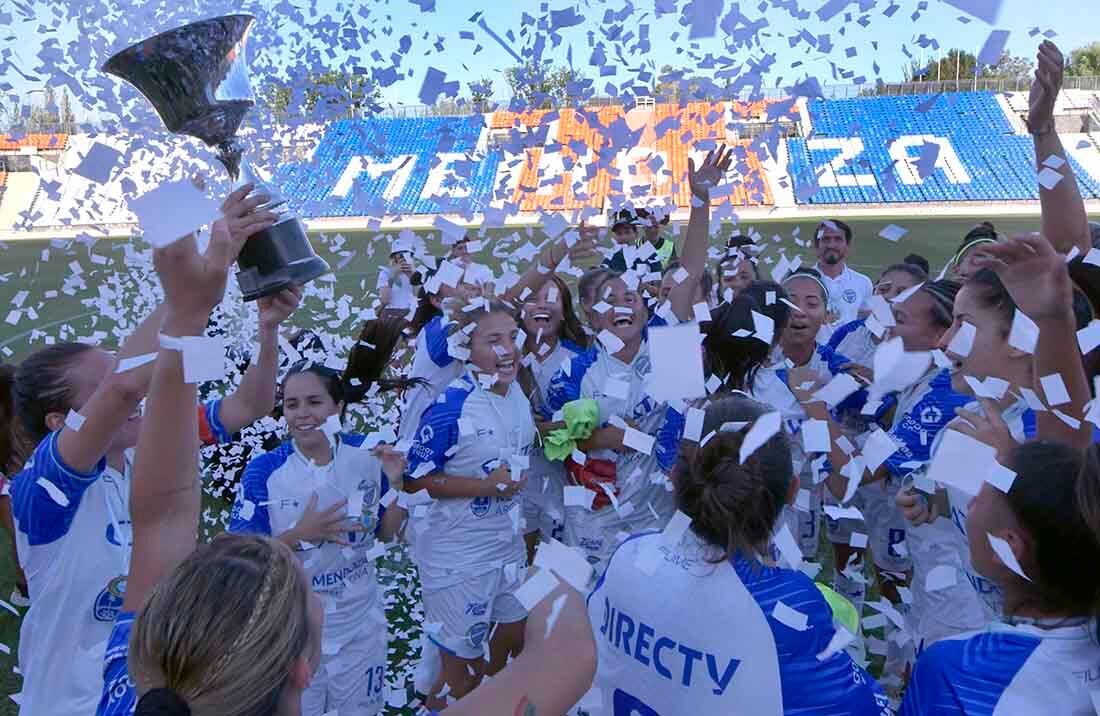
(275, 489)
(402, 293)
(467, 433)
(848, 293)
(662, 653)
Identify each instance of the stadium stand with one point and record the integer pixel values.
(424, 165)
(914, 149)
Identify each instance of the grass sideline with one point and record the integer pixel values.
(38, 266)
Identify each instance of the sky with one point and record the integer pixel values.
(776, 42)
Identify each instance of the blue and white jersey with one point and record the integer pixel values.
(119, 697)
(467, 433)
(276, 488)
(433, 362)
(1007, 670)
(923, 411)
(645, 500)
(854, 340)
(746, 653)
(544, 507)
(1020, 420)
(73, 538)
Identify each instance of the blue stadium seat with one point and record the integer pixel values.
(999, 164)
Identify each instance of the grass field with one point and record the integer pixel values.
(42, 269)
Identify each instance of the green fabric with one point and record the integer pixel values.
(581, 418)
(844, 612)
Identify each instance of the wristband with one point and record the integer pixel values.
(171, 343)
(203, 357)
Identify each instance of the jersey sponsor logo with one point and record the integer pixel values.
(426, 434)
(337, 579)
(480, 506)
(850, 295)
(626, 705)
(931, 415)
(476, 634)
(109, 602)
(476, 609)
(667, 657)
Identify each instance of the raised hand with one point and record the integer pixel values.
(393, 464)
(989, 428)
(276, 308)
(241, 215)
(1034, 274)
(195, 283)
(707, 175)
(585, 246)
(1045, 88)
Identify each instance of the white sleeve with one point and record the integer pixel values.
(383, 278)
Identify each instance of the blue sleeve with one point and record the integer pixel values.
(842, 332)
(669, 435)
(835, 685)
(254, 490)
(965, 676)
(565, 386)
(437, 433)
(917, 429)
(211, 429)
(435, 338)
(119, 696)
(383, 489)
(38, 515)
(656, 321)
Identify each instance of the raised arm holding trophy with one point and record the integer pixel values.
(196, 78)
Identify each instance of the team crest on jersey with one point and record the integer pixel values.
(850, 295)
(109, 602)
(480, 506)
(369, 489)
(931, 415)
(475, 635)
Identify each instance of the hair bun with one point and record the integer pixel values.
(162, 702)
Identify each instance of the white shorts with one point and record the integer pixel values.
(467, 611)
(350, 681)
(883, 523)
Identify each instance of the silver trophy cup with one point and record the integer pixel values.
(196, 78)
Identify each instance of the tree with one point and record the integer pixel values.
(481, 92)
(1085, 61)
(340, 95)
(542, 87)
(961, 65)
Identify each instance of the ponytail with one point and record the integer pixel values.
(736, 360)
(425, 312)
(734, 505)
(378, 341)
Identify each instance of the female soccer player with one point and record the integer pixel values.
(1039, 655)
(79, 405)
(767, 644)
(554, 336)
(470, 454)
(249, 590)
(854, 339)
(300, 493)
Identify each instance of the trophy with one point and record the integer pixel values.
(196, 78)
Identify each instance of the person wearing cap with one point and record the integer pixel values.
(395, 282)
(848, 289)
(632, 252)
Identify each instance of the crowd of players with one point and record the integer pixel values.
(942, 424)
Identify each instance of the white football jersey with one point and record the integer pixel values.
(1009, 670)
(467, 433)
(761, 646)
(433, 362)
(276, 488)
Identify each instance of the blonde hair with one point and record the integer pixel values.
(223, 630)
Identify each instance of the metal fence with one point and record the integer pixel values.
(1022, 84)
